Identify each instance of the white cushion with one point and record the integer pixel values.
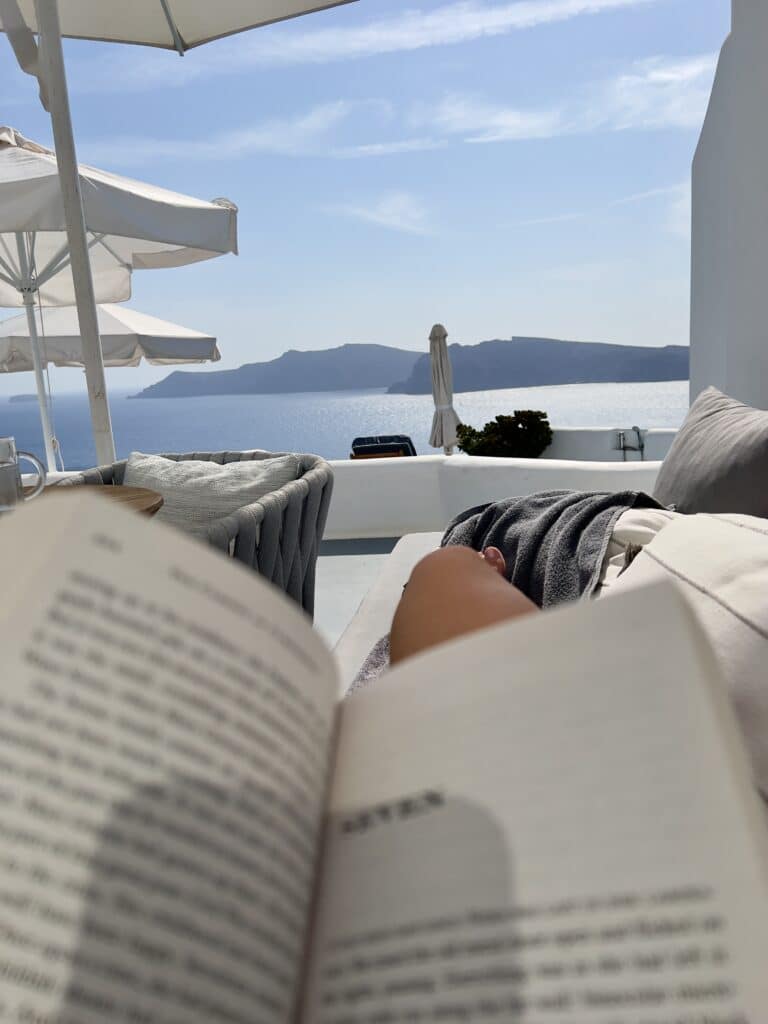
(634, 528)
(196, 494)
(721, 564)
(374, 616)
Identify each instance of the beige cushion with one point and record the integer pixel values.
(196, 494)
(721, 564)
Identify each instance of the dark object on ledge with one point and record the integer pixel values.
(278, 536)
(624, 446)
(382, 446)
(522, 436)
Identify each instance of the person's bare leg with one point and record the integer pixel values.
(451, 592)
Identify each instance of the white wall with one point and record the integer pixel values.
(392, 497)
(596, 444)
(729, 295)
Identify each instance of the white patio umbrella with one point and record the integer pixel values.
(170, 24)
(445, 420)
(173, 24)
(130, 226)
(127, 337)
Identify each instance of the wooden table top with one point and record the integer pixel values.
(140, 499)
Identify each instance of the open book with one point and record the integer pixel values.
(548, 822)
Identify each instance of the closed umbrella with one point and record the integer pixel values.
(174, 24)
(127, 338)
(445, 421)
(130, 226)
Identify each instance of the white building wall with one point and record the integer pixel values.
(599, 444)
(729, 296)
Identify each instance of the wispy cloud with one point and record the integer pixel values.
(447, 25)
(373, 149)
(662, 92)
(677, 215)
(407, 31)
(397, 211)
(315, 132)
(679, 212)
(651, 193)
(558, 218)
(656, 93)
(677, 205)
(299, 135)
(659, 92)
(479, 121)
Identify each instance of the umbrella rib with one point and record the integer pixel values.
(60, 261)
(57, 263)
(9, 271)
(100, 241)
(7, 263)
(178, 39)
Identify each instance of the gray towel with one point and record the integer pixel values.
(553, 543)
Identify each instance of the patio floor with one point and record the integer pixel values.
(346, 570)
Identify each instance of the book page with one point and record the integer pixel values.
(550, 822)
(165, 724)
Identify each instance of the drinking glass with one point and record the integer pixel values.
(11, 492)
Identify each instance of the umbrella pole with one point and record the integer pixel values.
(52, 64)
(28, 294)
(42, 394)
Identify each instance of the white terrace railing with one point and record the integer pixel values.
(392, 497)
(598, 444)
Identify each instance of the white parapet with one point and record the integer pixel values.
(392, 497)
(598, 444)
(729, 294)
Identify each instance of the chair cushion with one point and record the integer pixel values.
(196, 494)
(719, 459)
(721, 565)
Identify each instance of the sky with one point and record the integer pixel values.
(506, 168)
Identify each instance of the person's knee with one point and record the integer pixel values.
(451, 592)
(444, 564)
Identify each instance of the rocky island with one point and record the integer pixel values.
(347, 368)
(538, 362)
(511, 363)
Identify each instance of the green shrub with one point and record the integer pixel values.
(522, 436)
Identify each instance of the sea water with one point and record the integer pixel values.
(325, 422)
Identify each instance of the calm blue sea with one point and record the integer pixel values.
(326, 422)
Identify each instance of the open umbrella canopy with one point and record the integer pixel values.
(177, 24)
(130, 226)
(127, 337)
(172, 24)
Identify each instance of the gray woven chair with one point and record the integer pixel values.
(278, 536)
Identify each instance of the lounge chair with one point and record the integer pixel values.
(278, 536)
